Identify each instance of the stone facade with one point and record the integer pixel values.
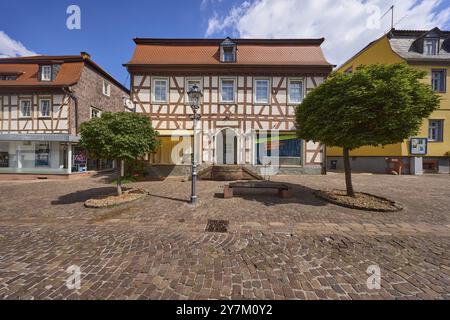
(89, 92)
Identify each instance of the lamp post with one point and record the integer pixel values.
(194, 98)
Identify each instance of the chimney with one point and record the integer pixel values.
(85, 55)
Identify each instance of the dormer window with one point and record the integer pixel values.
(227, 51)
(228, 54)
(8, 77)
(46, 73)
(431, 47)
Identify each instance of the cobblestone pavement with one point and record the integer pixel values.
(157, 248)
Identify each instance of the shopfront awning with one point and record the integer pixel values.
(57, 137)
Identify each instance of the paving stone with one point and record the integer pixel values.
(143, 251)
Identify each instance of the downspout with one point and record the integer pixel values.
(71, 94)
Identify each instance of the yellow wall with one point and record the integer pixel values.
(381, 52)
(173, 150)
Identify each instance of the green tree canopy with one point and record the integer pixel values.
(119, 136)
(375, 105)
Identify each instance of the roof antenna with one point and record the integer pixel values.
(392, 16)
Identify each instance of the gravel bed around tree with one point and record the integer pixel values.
(361, 201)
(114, 200)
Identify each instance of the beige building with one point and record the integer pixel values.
(250, 91)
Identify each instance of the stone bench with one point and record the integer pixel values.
(284, 191)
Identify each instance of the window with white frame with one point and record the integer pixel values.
(228, 50)
(106, 88)
(46, 73)
(262, 90)
(160, 88)
(227, 90)
(25, 108)
(295, 91)
(190, 83)
(438, 80)
(44, 106)
(229, 54)
(431, 46)
(436, 130)
(95, 113)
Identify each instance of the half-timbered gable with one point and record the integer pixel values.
(43, 101)
(250, 91)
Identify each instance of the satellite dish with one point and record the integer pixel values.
(128, 104)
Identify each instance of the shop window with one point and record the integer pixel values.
(284, 148)
(42, 153)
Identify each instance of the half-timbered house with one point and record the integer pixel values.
(250, 90)
(43, 101)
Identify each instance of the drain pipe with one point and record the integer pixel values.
(71, 94)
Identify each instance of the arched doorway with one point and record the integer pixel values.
(226, 150)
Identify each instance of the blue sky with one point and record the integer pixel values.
(108, 27)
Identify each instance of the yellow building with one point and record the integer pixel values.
(425, 50)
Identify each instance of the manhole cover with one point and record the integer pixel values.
(217, 226)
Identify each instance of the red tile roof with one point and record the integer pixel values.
(279, 52)
(69, 74)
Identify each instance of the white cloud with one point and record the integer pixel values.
(12, 48)
(229, 22)
(347, 25)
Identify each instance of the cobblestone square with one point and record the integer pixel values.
(157, 248)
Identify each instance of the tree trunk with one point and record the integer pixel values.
(119, 174)
(348, 173)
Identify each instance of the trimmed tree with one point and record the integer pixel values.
(119, 136)
(376, 105)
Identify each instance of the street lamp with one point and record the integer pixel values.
(195, 95)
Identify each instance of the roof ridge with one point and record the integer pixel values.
(43, 58)
(217, 41)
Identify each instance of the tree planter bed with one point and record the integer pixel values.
(361, 201)
(114, 200)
